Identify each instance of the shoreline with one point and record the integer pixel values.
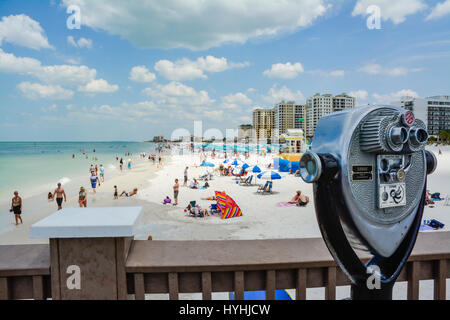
(37, 207)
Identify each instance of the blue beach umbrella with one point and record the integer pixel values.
(226, 161)
(245, 166)
(236, 163)
(207, 164)
(256, 169)
(269, 175)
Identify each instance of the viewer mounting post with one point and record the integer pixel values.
(88, 251)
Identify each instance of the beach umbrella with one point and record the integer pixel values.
(236, 162)
(269, 175)
(226, 161)
(245, 166)
(227, 206)
(255, 169)
(207, 164)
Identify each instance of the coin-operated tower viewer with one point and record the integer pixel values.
(369, 167)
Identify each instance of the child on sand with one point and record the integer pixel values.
(116, 193)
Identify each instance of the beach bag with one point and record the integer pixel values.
(436, 224)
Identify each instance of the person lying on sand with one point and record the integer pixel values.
(129, 194)
(197, 211)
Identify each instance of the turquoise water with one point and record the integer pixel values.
(29, 165)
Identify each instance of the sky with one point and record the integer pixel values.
(104, 70)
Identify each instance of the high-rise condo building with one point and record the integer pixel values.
(321, 105)
(288, 115)
(263, 124)
(433, 111)
(245, 133)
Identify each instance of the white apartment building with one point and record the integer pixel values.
(321, 105)
(433, 111)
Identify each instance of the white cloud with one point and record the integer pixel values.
(276, 95)
(204, 24)
(57, 74)
(440, 10)
(391, 97)
(38, 91)
(235, 101)
(98, 86)
(51, 108)
(373, 68)
(337, 73)
(23, 31)
(141, 74)
(186, 69)
(81, 43)
(396, 11)
(284, 71)
(176, 94)
(359, 94)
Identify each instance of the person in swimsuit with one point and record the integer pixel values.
(116, 193)
(129, 194)
(302, 201)
(296, 197)
(176, 188)
(102, 173)
(82, 200)
(16, 207)
(94, 180)
(60, 194)
(92, 169)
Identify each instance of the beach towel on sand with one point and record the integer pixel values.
(285, 204)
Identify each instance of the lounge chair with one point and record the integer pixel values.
(262, 188)
(214, 209)
(249, 182)
(244, 181)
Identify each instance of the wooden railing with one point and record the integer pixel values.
(175, 267)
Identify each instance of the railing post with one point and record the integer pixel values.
(4, 289)
(88, 248)
(413, 269)
(440, 278)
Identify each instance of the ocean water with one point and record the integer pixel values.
(31, 167)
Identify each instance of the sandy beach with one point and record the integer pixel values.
(263, 217)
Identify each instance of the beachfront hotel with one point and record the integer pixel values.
(263, 124)
(288, 115)
(433, 111)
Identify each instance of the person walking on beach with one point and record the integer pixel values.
(60, 195)
(116, 193)
(129, 164)
(102, 173)
(185, 176)
(82, 200)
(176, 188)
(16, 207)
(94, 180)
(121, 164)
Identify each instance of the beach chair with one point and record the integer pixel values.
(262, 188)
(249, 182)
(214, 209)
(243, 181)
(268, 189)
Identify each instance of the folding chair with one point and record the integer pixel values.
(249, 182)
(268, 189)
(262, 188)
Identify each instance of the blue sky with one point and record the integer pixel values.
(136, 69)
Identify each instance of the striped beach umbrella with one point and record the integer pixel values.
(269, 175)
(227, 205)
